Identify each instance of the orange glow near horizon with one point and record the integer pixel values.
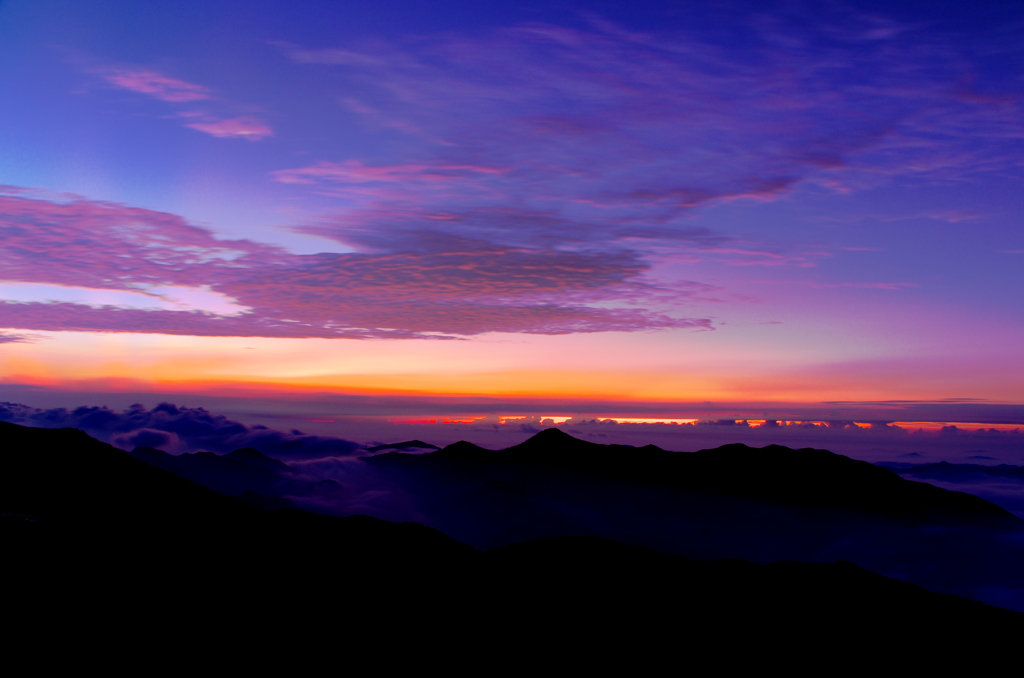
(540, 368)
(544, 420)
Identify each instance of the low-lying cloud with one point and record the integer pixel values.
(178, 430)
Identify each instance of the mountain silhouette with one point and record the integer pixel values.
(88, 527)
(733, 502)
(774, 473)
(407, 445)
(464, 451)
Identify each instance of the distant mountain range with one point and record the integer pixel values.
(774, 473)
(88, 527)
(944, 470)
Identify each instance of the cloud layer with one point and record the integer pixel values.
(454, 288)
(179, 429)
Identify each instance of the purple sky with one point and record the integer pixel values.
(643, 201)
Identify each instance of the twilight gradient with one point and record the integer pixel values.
(728, 201)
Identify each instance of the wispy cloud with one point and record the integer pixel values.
(8, 338)
(154, 84)
(217, 120)
(549, 138)
(241, 128)
(627, 132)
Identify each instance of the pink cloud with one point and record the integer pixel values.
(84, 243)
(458, 287)
(355, 319)
(171, 90)
(154, 84)
(243, 127)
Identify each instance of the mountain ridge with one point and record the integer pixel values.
(804, 476)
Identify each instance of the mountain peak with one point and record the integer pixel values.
(407, 445)
(550, 436)
(552, 443)
(464, 450)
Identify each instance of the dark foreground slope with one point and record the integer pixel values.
(105, 551)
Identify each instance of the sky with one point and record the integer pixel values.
(622, 208)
